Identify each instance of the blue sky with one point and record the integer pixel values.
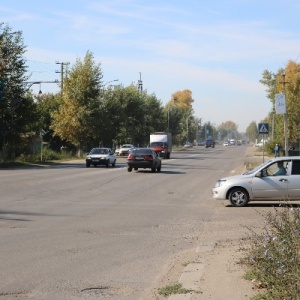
(217, 49)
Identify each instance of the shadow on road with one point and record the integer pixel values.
(18, 213)
(267, 204)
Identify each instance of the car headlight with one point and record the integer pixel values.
(88, 157)
(220, 182)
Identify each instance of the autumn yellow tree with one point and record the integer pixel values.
(183, 99)
(179, 114)
(274, 83)
(292, 78)
(74, 119)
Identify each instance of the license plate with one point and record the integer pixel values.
(139, 158)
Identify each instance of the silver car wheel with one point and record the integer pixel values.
(238, 197)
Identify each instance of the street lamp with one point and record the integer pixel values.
(109, 82)
(31, 83)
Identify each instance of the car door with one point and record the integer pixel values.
(269, 187)
(294, 180)
(111, 156)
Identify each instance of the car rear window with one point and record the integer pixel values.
(142, 151)
(99, 151)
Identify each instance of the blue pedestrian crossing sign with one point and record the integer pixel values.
(263, 128)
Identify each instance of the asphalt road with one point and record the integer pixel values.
(70, 232)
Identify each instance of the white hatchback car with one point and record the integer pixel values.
(124, 150)
(277, 179)
(101, 156)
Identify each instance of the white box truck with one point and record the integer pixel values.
(161, 143)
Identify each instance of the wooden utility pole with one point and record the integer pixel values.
(285, 117)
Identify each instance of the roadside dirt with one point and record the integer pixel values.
(220, 279)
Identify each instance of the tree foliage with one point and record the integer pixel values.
(88, 115)
(140, 114)
(293, 99)
(47, 104)
(228, 130)
(274, 83)
(252, 131)
(179, 117)
(18, 115)
(81, 90)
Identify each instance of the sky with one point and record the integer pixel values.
(216, 49)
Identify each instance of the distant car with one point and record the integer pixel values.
(225, 144)
(210, 143)
(143, 158)
(124, 150)
(201, 143)
(277, 179)
(101, 156)
(188, 145)
(260, 144)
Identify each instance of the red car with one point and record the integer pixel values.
(143, 158)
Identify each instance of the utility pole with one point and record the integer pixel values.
(273, 121)
(285, 117)
(187, 129)
(62, 64)
(140, 84)
(174, 102)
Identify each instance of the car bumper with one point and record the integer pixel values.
(218, 194)
(140, 164)
(123, 153)
(163, 154)
(97, 161)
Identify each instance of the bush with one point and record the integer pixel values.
(269, 147)
(47, 155)
(273, 256)
(28, 158)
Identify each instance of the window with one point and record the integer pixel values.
(296, 167)
(278, 168)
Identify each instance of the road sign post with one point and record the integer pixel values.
(263, 128)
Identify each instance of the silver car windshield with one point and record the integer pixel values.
(258, 167)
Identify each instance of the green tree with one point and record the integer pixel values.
(228, 130)
(154, 116)
(18, 114)
(252, 131)
(139, 115)
(273, 86)
(172, 115)
(74, 119)
(47, 104)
